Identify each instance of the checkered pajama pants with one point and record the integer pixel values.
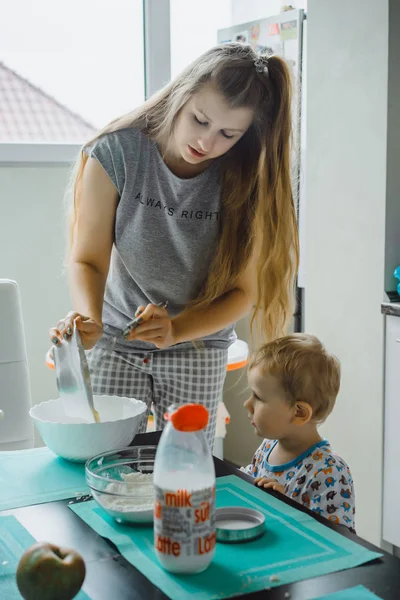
(162, 378)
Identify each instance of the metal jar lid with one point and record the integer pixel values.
(236, 524)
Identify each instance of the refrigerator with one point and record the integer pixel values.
(285, 34)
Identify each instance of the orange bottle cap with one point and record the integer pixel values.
(190, 417)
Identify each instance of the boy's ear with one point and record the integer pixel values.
(303, 413)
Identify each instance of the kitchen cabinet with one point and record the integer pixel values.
(391, 470)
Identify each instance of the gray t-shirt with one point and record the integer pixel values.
(166, 234)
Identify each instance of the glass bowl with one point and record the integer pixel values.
(121, 482)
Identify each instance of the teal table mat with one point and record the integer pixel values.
(295, 547)
(36, 476)
(356, 593)
(14, 540)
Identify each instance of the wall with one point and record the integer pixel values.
(32, 234)
(260, 9)
(346, 195)
(392, 249)
(189, 39)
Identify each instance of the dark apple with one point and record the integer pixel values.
(48, 572)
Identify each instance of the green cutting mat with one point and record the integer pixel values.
(295, 547)
(36, 476)
(14, 540)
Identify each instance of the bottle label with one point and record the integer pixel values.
(184, 521)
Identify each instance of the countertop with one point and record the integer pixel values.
(391, 308)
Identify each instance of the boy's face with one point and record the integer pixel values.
(268, 409)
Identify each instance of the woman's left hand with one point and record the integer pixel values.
(157, 327)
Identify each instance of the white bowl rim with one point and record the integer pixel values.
(131, 400)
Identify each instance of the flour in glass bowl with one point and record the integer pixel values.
(133, 500)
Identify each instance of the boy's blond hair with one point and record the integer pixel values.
(306, 371)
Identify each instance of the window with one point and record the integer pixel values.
(67, 69)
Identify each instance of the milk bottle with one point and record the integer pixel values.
(184, 487)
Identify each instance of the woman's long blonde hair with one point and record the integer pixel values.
(256, 189)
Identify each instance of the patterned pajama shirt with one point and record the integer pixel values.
(319, 479)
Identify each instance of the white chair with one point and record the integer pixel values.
(238, 356)
(16, 428)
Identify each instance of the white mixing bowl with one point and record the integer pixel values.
(76, 440)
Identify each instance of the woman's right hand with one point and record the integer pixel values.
(89, 330)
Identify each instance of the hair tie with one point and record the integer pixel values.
(261, 64)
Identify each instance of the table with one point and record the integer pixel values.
(111, 577)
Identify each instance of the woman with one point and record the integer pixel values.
(186, 201)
